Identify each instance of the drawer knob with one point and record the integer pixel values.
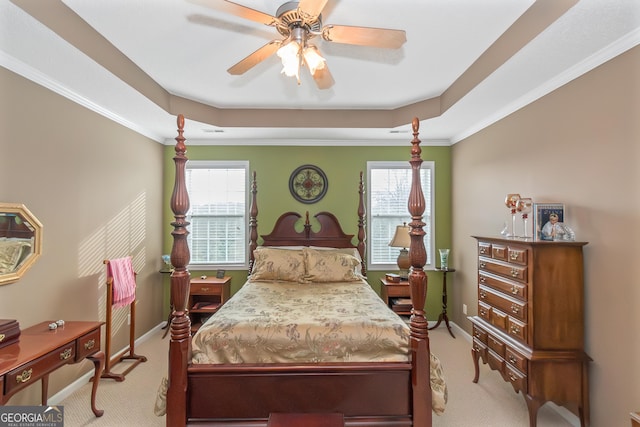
(512, 360)
(515, 329)
(483, 294)
(514, 272)
(483, 250)
(24, 376)
(2, 337)
(514, 290)
(65, 354)
(512, 377)
(89, 344)
(513, 256)
(515, 309)
(483, 312)
(204, 289)
(483, 264)
(483, 279)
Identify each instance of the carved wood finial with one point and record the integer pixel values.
(415, 149)
(253, 221)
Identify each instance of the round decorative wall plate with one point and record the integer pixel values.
(308, 184)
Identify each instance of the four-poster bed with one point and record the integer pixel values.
(213, 383)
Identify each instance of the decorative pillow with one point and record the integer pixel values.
(350, 251)
(278, 264)
(331, 266)
(11, 254)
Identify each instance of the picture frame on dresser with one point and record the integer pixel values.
(541, 214)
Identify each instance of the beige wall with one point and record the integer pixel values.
(97, 188)
(579, 145)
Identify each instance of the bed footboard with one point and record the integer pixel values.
(368, 394)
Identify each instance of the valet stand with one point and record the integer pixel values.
(443, 315)
(111, 361)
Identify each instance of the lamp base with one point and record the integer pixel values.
(404, 264)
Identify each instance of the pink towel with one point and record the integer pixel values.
(124, 281)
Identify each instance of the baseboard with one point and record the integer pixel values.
(77, 384)
(569, 416)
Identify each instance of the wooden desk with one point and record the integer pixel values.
(41, 351)
(306, 420)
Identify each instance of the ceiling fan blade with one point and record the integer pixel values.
(323, 78)
(255, 58)
(239, 10)
(365, 36)
(312, 7)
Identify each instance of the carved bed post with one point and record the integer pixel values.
(362, 234)
(253, 221)
(418, 286)
(180, 343)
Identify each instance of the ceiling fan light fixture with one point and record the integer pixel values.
(313, 59)
(290, 56)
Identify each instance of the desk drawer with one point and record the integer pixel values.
(206, 289)
(88, 344)
(29, 372)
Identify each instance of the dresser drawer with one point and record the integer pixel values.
(484, 248)
(30, 372)
(495, 361)
(517, 255)
(517, 329)
(511, 271)
(484, 311)
(480, 348)
(499, 319)
(480, 334)
(88, 344)
(516, 378)
(513, 307)
(514, 289)
(496, 345)
(499, 252)
(515, 359)
(206, 288)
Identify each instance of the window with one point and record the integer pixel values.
(389, 184)
(218, 213)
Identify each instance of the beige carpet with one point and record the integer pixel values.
(490, 403)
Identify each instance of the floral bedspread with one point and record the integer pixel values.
(283, 322)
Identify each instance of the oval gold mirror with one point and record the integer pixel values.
(20, 241)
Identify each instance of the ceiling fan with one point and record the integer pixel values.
(299, 22)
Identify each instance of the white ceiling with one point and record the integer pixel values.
(457, 72)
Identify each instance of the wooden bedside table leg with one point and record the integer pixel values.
(98, 362)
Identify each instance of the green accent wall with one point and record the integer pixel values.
(342, 165)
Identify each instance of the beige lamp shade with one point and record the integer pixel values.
(401, 239)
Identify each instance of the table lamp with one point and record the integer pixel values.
(402, 240)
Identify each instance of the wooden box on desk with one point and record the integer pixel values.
(9, 332)
(393, 278)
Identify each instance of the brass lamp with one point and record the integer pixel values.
(402, 240)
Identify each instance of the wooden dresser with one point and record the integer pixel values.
(530, 322)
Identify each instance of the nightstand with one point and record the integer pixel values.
(395, 295)
(206, 296)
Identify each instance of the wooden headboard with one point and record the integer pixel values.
(330, 233)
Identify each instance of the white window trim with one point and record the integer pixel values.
(399, 164)
(223, 164)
